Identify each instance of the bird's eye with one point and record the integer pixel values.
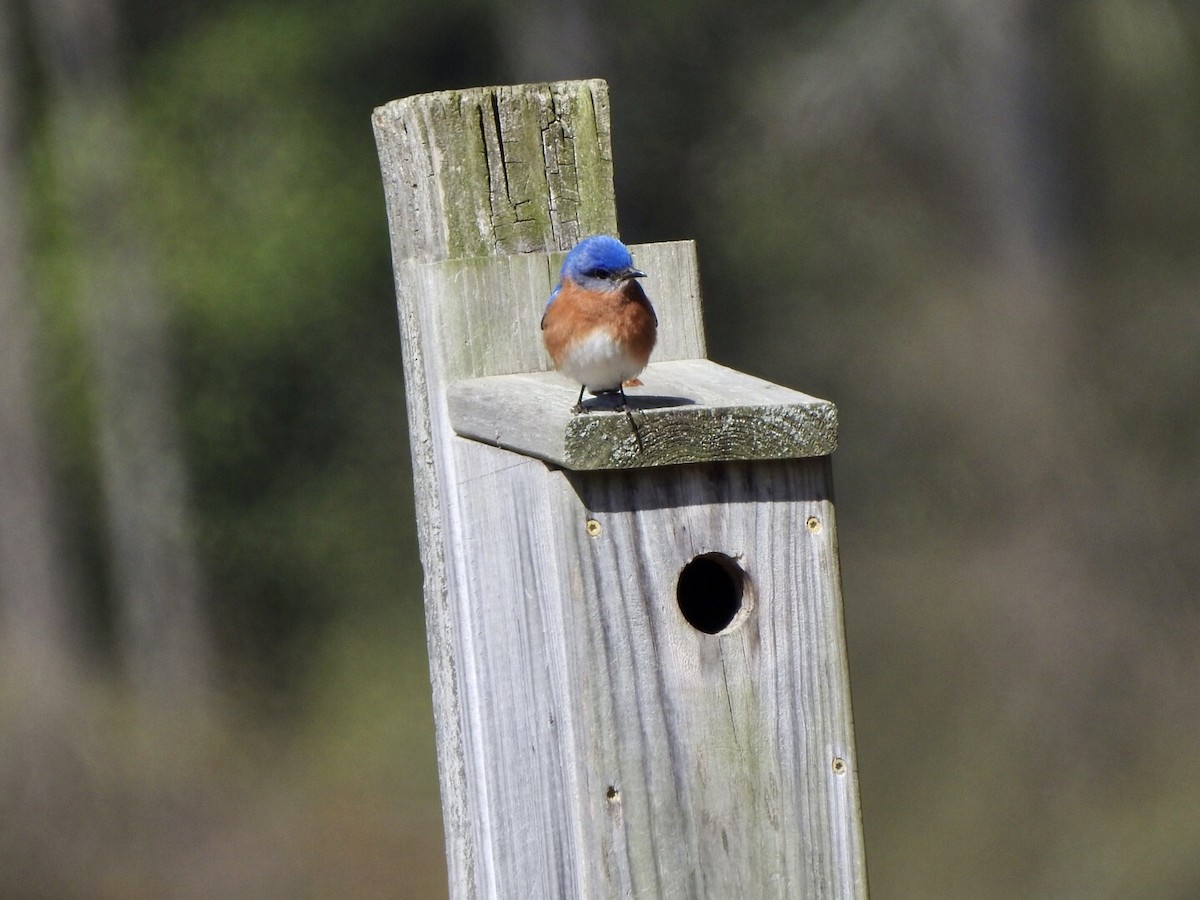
(596, 273)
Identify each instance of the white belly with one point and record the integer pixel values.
(598, 363)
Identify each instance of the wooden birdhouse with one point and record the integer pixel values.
(634, 621)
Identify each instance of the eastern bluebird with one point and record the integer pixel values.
(599, 327)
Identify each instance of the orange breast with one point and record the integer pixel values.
(625, 314)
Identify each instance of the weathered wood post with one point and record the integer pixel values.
(636, 641)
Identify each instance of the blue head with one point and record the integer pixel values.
(599, 263)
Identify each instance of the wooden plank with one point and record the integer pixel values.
(720, 765)
(489, 310)
(439, 183)
(687, 411)
(497, 170)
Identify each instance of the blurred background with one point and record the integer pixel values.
(973, 224)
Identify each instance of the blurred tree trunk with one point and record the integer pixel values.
(157, 582)
(1002, 161)
(1005, 155)
(958, 94)
(956, 87)
(38, 646)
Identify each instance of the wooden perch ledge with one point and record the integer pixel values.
(687, 411)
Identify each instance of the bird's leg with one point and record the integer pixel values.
(578, 407)
(637, 435)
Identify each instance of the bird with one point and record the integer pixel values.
(599, 327)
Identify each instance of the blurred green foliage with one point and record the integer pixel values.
(972, 225)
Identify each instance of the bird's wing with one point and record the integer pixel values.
(553, 294)
(634, 291)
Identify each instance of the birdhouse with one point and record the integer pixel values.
(634, 616)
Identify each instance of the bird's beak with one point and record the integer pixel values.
(633, 273)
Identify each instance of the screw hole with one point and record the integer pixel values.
(711, 593)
